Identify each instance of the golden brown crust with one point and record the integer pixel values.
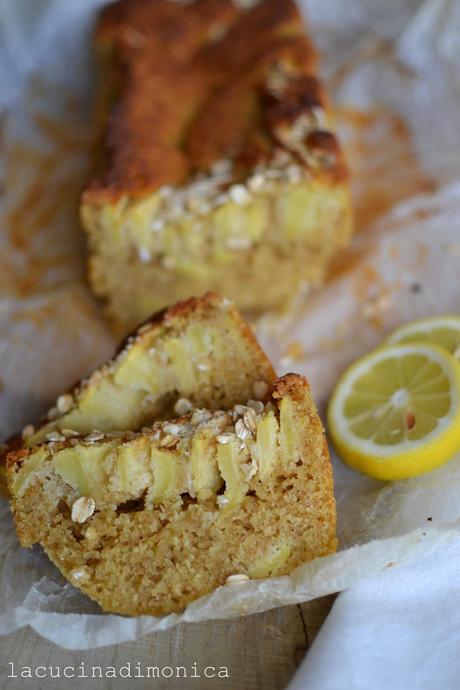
(298, 389)
(155, 556)
(15, 458)
(174, 316)
(10, 446)
(194, 87)
(184, 310)
(292, 385)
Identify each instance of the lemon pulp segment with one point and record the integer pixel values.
(396, 412)
(439, 330)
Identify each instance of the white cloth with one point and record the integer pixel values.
(399, 630)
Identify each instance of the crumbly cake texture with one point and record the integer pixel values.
(146, 523)
(218, 167)
(200, 350)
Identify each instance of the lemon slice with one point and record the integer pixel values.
(396, 412)
(440, 330)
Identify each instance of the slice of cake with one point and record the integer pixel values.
(199, 352)
(196, 353)
(218, 167)
(146, 522)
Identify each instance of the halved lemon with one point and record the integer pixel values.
(440, 330)
(396, 412)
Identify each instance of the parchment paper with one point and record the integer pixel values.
(392, 69)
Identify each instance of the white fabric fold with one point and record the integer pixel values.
(399, 630)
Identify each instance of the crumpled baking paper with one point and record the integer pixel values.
(392, 69)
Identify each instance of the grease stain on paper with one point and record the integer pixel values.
(384, 171)
(43, 245)
(384, 166)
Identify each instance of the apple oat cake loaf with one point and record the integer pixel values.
(146, 522)
(199, 352)
(218, 166)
